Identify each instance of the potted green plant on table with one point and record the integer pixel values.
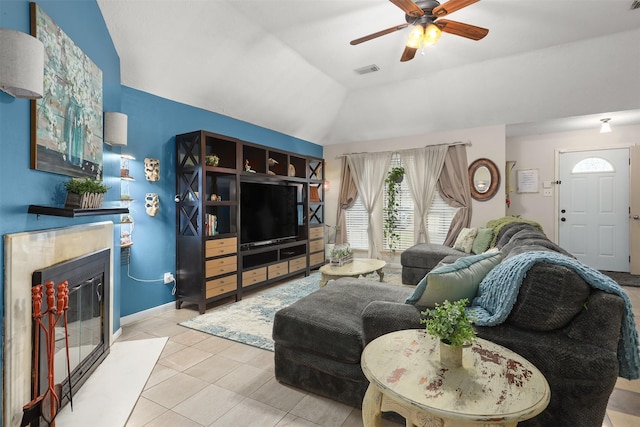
(341, 254)
(85, 193)
(393, 180)
(450, 323)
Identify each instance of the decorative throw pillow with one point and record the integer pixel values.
(465, 238)
(454, 281)
(482, 240)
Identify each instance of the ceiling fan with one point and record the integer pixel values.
(425, 16)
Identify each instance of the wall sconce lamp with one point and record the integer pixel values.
(606, 127)
(115, 128)
(21, 64)
(326, 184)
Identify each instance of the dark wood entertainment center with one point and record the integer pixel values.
(211, 262)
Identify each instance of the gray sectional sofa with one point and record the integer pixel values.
(564, 326)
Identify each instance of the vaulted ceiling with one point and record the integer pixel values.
(287, 65)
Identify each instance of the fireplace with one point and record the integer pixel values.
(87, 321)
(26, 253)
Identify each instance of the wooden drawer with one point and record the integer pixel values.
(316, 233)
(221, 247)
(218, 266)
(252, 277)
(276, 270)
(316, 246)
(298, 264)
(221, 286)
(317, 258)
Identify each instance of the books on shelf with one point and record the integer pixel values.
(210, 225)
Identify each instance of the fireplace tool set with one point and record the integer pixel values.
(47, 404)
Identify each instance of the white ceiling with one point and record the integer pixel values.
(287, 65)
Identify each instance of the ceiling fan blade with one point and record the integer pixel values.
(451, 6)
(378, 34)
(408, 54)
(409, 7)
(461, 29)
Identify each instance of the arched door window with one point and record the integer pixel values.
(593, 165)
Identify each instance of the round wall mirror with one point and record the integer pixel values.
(484, 179)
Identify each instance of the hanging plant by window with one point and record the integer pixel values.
(392, 218)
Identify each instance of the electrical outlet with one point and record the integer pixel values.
(168, 278)
(547, 192)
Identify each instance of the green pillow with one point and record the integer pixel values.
(454, 281)
(482, 241)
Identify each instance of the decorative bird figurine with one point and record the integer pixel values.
(272, 162)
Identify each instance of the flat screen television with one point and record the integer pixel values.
(268, 212)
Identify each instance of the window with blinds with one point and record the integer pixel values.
(404, 227)
(356, 218)
(438, 218)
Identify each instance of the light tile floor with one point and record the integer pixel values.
(201, 380)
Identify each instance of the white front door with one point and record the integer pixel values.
(593, 198)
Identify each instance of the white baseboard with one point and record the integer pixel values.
(116, 335)
(147, 313)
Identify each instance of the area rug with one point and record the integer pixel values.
(624, 279)
(250, 320)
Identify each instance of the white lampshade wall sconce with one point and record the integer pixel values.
(115, 128)
(21, 64)
(605, 127)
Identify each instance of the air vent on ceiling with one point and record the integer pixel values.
(368, 69)
(635, 4)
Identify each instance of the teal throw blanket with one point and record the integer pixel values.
(498, 291)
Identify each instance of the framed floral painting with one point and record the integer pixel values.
(66, 123)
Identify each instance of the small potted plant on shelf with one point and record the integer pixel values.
(450, 323)
(84, 193)
(212, 160)
(393, 180)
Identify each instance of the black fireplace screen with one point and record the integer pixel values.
(87, 326)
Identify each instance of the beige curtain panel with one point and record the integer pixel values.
(346, 199)
(454, 189)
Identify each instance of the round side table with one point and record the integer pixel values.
(494, 386)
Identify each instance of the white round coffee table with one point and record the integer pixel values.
(358, 267)
(494, 386)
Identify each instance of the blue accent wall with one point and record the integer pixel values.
(153, 124)
(21, 186)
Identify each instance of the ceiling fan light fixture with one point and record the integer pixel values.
(431, 35)
(606, 127)
(415, 37)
